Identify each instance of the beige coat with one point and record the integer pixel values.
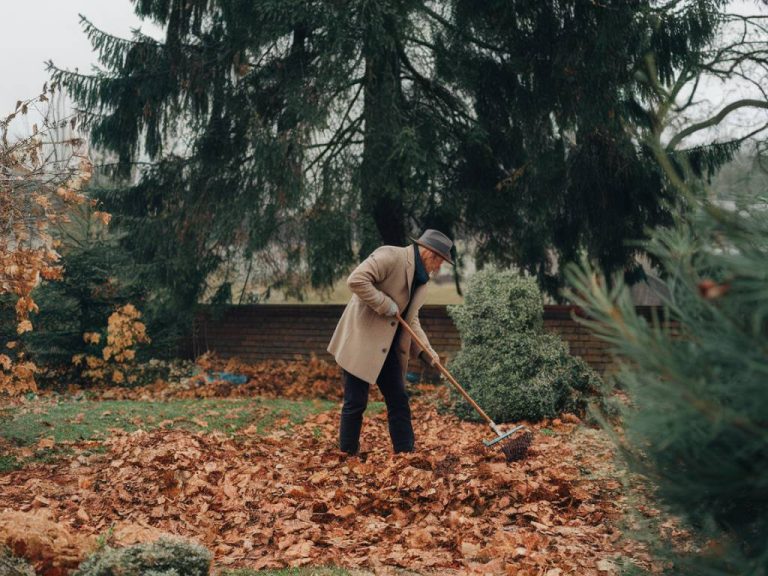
(363, 335)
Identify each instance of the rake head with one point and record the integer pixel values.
(514, 448)
(517, 448)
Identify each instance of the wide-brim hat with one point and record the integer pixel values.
(438, 243)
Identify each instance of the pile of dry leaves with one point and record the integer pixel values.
(291, 499)
(309, 378)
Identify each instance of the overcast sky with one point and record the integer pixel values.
(35, 31)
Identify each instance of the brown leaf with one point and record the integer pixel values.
(49, 442)
(319, 477)
(344, 512)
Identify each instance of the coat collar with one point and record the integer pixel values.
(410, 266)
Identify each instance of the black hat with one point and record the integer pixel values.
(438, 243)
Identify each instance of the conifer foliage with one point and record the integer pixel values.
(268, 126)
(552, 164)
(94, 285)
(697, 423)
(293, 128)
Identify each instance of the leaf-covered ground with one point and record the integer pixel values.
(288, 497)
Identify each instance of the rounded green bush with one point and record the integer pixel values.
(508, 363)
(497, 303)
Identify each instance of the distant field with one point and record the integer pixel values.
(443, 293)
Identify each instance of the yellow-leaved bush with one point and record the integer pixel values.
(115, 362)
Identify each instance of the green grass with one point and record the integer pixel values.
(9, 463)
(376, 407)
(72, 421)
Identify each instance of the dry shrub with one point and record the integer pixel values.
(115, 363)
(48, 545)
(42, 177)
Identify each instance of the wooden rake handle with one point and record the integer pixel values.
(448, 375)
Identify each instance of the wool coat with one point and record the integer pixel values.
(364, 334)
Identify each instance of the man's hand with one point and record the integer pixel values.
(393, 310)
(431, 357)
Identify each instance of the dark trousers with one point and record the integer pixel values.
(392, 386)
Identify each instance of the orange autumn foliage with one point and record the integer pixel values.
(116, 360)
(42, 178)
(50, 546)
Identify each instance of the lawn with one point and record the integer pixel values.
(45, 429)
(260, 483)
(72, 420)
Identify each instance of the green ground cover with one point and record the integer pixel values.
(70, 420)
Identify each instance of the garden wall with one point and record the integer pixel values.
(277, 331)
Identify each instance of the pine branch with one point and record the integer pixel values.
(340, 140)
(340, 131)
(112, 50)
(746, 137)
(91, 31)
(423, 43)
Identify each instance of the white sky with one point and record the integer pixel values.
(34, 31)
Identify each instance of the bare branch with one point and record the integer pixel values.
(693, 128)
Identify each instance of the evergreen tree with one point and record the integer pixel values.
(553, 168)
(696, 424)
(296, 128)
(95, 282)
(269, 125)
(92, 275)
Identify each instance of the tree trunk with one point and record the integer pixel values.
(381, 171)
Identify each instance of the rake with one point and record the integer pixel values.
(513, 448)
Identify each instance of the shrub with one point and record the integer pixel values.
(164, 557)
(42, 176)
(507, 363)
(13, 566)
(115, 362)
(81, 301)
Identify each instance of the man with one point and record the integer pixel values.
(370, 345)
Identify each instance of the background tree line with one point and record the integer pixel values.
(301, 134)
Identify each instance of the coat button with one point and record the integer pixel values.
(391, 323)
(383, 349)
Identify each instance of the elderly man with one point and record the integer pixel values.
(369, 344)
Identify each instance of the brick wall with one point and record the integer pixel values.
(271, 331)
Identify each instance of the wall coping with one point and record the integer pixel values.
(551, 311)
